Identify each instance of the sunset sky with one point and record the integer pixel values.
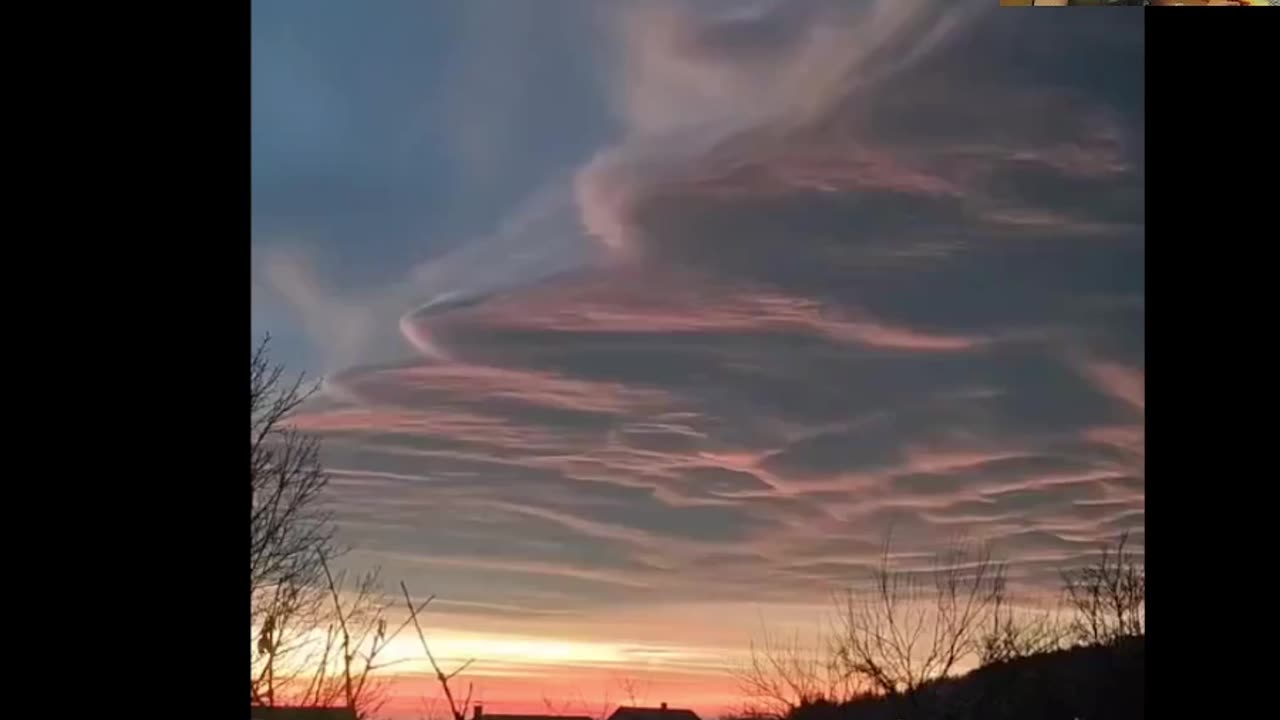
(641, 323)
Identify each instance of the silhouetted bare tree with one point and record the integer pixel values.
(338, 669)
(581, 707)
(316, 642)
(782, 674)
(317, 639)
(916, 627)
(458, 710)
(285, 614)
(1108, 597)
(634, 692)
(907, 639)
(356, 635)
(1011, 635)
(334, 648)
(290, 533)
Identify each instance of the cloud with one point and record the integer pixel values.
(1123, 383)
(846, 267)
(690, 81)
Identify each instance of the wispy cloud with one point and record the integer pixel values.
(1124, 383)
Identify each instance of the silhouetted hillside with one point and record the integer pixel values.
(1089, 683)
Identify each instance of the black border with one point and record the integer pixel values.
(1211, 192)
(147, 137)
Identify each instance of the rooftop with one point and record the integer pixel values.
(651, 713)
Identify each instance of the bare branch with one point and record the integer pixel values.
(1011, 635)
(459, 711)
(782, 674)
(296, 636)
(908, 634)
(1108, 597)
(358, 631)
(287, 522)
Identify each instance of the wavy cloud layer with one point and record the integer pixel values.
(848, 267)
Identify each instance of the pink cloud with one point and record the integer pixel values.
(644, 301)
(554, 569)
(901, 338)
(1121, 382)
(822, 167)
(428, 422)
(537, 388)
(1131, 438)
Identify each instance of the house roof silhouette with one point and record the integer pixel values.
(650, 713)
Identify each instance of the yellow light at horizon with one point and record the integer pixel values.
(502, 654)
(527, 649)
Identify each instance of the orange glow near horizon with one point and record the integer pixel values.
(550, 671)
(526, 674)
(552, 666)
(566, 690)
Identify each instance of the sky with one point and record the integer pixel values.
(643, 324)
